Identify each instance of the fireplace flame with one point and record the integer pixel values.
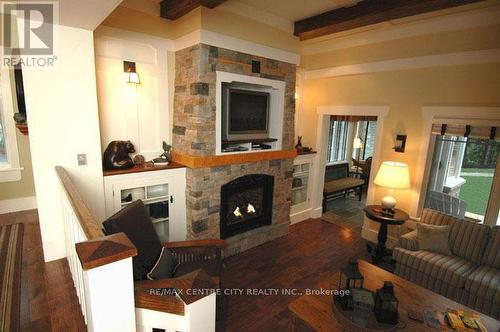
(237, 212)
(250, 208)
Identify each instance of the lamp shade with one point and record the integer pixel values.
(358, 143)
(133, 78)
(393, 175)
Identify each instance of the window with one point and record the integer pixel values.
(365, 130)
(337, 141)
(462, 174)
(3, 149)
(9, 157)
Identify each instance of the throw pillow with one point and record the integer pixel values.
(433, 238)
(164, 267)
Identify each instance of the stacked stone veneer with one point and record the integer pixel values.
(194, 134)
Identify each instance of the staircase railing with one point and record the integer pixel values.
(101, 266)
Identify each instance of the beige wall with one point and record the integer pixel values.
(405, 92)
(481, 38)
(215, 20)
(24, 187)
(233, 25)
(133, 20)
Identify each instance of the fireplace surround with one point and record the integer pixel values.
(196, 132)
(246, 203)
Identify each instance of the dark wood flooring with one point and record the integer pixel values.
(48, 298)
(312, 251)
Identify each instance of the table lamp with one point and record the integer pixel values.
(392, 175)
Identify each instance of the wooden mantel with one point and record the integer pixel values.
(231, 159)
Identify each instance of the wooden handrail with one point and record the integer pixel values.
(90, 226)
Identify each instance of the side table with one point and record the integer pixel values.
(375, 213)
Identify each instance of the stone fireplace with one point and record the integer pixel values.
(194, 141)
(246, 203)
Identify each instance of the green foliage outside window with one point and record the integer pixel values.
(481, 153)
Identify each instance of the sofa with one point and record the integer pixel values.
(470, 275)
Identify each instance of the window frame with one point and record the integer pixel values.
(10, 171)
(345, 140)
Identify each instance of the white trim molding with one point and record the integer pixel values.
(324, 113)
(17, 204)
(426, 61)
(10, 171)
(219, 40)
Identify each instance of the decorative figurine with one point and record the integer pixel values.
(298, 147)
(165, 157)
(139, 160)
(116, 155)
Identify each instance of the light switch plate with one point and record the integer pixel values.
(82, 159)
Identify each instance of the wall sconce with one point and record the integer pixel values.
(400, 143)
(131, 76)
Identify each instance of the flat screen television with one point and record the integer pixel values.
(245, 114)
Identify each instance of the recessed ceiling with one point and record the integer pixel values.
(278, 13)
(293, 10)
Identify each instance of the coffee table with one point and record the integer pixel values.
(315, 313)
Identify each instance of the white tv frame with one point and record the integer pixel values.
(276, 90)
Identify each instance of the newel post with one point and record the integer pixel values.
(108, 282)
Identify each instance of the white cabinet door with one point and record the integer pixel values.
(163, 193)
(301, 207)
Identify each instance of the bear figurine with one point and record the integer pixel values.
(116, 155)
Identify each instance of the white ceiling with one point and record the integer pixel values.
(293, 10)
(86, 14)
(278, 13)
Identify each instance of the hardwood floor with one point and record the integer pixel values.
(312, 251)
(48, 299)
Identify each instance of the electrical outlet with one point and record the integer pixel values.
(82, 159)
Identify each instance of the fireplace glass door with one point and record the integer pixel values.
(246, 203)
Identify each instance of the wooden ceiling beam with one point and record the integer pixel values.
(368, 12)
(174, 9)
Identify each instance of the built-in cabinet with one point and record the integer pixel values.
(301, 187)
(163, 194)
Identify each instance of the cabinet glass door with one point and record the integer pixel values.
(156, 199)
(300, 183)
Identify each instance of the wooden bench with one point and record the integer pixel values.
(338, 179)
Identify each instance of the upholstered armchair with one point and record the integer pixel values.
(172, 266)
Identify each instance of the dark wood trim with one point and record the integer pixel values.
(143, 168)
(90, 226)
(231, 159)
(368, 12)
(106, 250)
(195, 243)
(198, 280)
(174, 9)
(158, 299)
